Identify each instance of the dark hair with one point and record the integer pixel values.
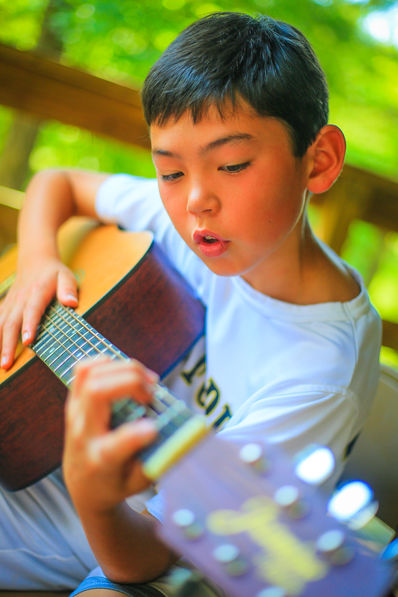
(227, 55)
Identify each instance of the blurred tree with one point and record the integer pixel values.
(120, 40)
(23, 131)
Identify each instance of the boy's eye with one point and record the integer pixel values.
(171, 177)
(235, 167)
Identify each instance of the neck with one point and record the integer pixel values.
(284, 275)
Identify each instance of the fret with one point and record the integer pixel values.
(126, 410)
(65, 336)
(85, 330)
(69, 341)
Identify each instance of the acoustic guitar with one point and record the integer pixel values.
(131, 295)
(239, 514)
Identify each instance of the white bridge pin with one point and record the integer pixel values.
(272, 592)
(229, 556)
(332, 546)
(253, 454)
(288, 497)
(185, 520)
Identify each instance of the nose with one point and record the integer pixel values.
(201, 199)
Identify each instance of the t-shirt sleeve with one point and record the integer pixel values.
(133, 203)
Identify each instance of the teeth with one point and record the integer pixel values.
(210, 238)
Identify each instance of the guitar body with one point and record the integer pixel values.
(132, 296)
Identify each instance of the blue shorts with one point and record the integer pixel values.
(100, 582)
(164, 586)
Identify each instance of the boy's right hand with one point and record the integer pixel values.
(36, 284)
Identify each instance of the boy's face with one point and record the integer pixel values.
(234, 191)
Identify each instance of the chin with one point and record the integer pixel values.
(222, 269)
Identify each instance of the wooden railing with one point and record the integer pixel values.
(49, 90)
(359, 195)
(52, 91)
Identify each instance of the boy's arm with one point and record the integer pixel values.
(51, 198)
(100, 470)
(126, 545)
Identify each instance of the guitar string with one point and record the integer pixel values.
(163, 405)
(58, 312)
(63, 313)
(167, 412)
(163, 409)
(74, 321)
(165, 400)
(53, 323)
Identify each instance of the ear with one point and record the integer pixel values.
(326, 158)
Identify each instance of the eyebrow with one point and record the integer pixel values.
(212, 145)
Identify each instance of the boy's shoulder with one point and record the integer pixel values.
(330, 280)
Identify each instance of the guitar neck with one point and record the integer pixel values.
(65, 338)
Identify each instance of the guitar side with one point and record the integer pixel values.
(131, 295)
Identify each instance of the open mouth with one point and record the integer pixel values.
(210, 244)
(210, 239)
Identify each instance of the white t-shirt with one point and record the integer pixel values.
(289, 374)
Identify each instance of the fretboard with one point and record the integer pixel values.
(64, 338)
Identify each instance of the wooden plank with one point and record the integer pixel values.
(357, 195)
(53, 91)
(390, 334)
(8, 227)
(377, 196)
(10, 204)
(11, 197)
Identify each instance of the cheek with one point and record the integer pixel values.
(272, 213)
(175, 208)
(167, 196)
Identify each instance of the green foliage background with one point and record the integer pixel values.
(119, 40)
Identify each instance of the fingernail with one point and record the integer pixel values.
(71, 297)
(4, 361)
(150, 388)
(25, 336)
(145, 426)
(152, 376)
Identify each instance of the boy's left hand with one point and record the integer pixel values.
(99, 465)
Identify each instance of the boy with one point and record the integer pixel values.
(237, 109)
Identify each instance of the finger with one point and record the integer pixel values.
(119, 446)
(36, 304)
(67, 288)
(74, 415)
(103, 364)
(111, 379)
(84, 367)
(97, 385)
(9, 338)
(118, 365)
(122, 384)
